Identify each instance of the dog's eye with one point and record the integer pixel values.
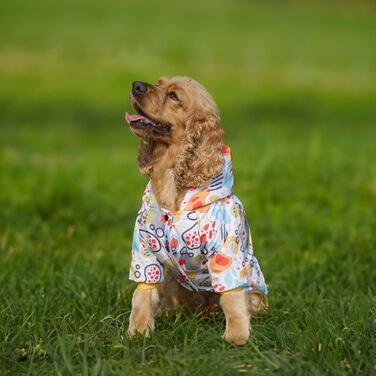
(172, 95)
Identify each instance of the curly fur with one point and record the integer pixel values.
(146, 156)
(200, 156)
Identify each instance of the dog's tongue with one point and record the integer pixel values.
(136, 117)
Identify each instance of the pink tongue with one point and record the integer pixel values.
(132, 118)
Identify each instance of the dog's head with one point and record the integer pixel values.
(178, 111)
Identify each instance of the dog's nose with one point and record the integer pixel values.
(139, 88)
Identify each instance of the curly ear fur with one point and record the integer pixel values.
(200, 157)
(146, 156)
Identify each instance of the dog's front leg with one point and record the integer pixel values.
(145, 303)
(235, 306)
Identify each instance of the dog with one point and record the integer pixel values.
(192, 244)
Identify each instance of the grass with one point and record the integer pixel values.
(296, 88)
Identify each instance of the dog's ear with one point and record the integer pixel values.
(200, 157)
(146, 156)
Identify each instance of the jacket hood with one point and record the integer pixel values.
(215, 189)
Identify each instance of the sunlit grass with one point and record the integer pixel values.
(296, 87)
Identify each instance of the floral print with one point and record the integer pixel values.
(206, 245)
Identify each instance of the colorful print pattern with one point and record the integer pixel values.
(206, 245)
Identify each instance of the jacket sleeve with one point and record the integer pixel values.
(145, 267)
(234, 264)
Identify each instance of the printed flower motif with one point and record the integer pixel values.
(191, 237)
(234, 210)
(218, 287)
(243, 273)
(149, 216)
(208, 232)
(173, 243)
(147, 253)
(152, 242)
(152, 274)
(198, 199)
(226, 149)
(219, 262)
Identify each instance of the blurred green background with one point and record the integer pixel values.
(296, 86)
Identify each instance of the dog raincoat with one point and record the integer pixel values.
(206, 245)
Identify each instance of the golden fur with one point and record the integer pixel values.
(189, 155)
(192, 153)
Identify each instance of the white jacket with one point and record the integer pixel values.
(206, 245)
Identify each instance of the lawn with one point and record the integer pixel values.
(296, 85)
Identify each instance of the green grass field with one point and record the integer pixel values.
(296, 85)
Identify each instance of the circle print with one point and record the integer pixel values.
(153, 273)
(151, 240)
(159, 231)
(192, 215)
(191, 237)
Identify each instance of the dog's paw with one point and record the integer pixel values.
(236, 337)
(140, 325)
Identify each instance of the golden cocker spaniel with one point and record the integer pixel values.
(190, 192)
